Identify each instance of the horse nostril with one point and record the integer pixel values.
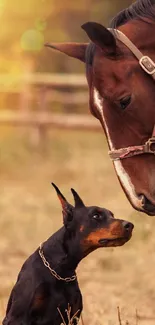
(147, 204)
(128, 225)
(144, 200)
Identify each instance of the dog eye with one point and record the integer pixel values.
(97, 216)
(124, 102)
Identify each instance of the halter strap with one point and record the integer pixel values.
(148, 147)
(149, 67)
(145, 61)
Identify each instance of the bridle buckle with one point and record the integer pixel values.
(147, 65)
(150, 146)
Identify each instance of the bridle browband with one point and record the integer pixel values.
(149, 67)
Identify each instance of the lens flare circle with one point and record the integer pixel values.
(32, 40)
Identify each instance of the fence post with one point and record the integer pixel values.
(28, 67)
(42, 128)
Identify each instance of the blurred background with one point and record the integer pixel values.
(47, 134)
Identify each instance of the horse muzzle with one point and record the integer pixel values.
(147, 206)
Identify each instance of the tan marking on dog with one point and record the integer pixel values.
(81, 228)
(38, 301)
(114, 231)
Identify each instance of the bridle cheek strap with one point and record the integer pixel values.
(149, 67)
(145, 62)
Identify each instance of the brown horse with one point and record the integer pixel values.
(122, 94)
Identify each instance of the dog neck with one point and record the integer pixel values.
(60, 252)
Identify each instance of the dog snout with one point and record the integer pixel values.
(128, 226)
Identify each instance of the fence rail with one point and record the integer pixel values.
(67, 89)
(15, 83)
(69, 121)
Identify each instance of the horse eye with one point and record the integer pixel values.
(97, 216)
(124, 102)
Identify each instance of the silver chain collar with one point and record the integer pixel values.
(46, 263)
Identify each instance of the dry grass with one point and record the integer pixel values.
(30, 212)
(71, 320)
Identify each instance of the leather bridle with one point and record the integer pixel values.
(149, 67)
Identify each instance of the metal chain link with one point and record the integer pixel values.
(46, 263)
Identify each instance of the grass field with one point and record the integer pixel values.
(30, 212)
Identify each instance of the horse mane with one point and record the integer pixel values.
(138, 10)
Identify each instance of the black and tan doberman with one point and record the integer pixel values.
(47, 283)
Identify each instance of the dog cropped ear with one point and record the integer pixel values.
(67, 208)
(75, 50)
(100, 36)
(78, 202)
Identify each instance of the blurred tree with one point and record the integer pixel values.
(26, 24)
(68, 17)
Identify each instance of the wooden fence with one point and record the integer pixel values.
(68, 90)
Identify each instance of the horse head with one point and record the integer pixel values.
(122, 94)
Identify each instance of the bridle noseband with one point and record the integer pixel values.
(148, 147)
(149, 67)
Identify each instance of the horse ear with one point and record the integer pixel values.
(75, 50)
(67, 208)
(100, 36)
(78, 202)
